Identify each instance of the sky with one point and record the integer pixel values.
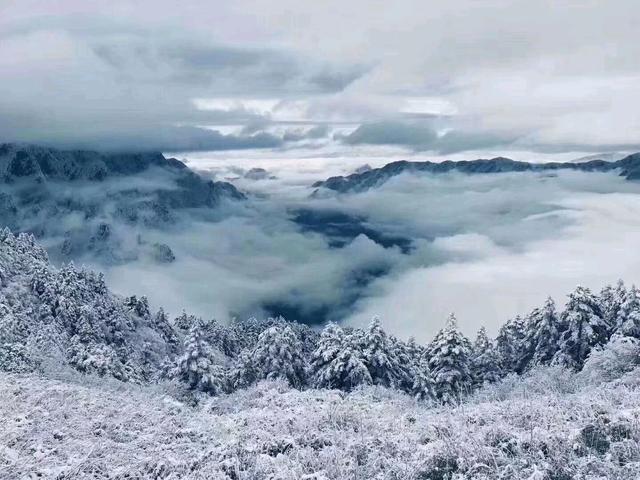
(434, 78)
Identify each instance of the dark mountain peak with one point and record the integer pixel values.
(19, 161)
(46, 190)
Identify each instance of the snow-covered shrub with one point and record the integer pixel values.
(612, 360)
(541, 380)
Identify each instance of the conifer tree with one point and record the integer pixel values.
(278, 354)
(244, 372)
(381, 357)
(197, 366)
(485, 362)
(584, 328)
(424, 385)
(510, 345)
(610, 300)
(627, 320)
(338, 361)
(543, 334)
(449, 363)
(166, 330)
(328, 348)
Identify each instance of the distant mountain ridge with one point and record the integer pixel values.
(78, 197)
(21, 162)
(358, 182)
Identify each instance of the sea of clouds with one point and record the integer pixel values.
(486, 247)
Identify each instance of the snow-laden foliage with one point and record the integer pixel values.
(584, 328)
(68, 316)
(278, 355)
(197, 366)
(521, 428)
(627, 319)
(450, 363)
(542, 338)
(485, 361)
(52, 318)
(619, 356)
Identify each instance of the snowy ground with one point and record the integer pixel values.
(542, 427)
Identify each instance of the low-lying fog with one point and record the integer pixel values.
(486, 247)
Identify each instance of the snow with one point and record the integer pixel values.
(85, 427)
(93, 385)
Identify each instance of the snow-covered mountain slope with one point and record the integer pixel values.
(99, 203)
(544, 426)
(52, 318)
(629, 167)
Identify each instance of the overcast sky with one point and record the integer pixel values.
(441, 77)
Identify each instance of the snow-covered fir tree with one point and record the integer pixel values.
(278, 354)
(485, 361)
(424, 385)
(382, 357)
(167, 331)
(224, 339)
(198, 366)
(450, 363)
(409, 356)
(329, 346)
(583, 328)
(510, 345)
(542, 335)
(610, 300)
(626, 321)
(339, 361)
(244, 372)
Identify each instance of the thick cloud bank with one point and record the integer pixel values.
(445, 77)
(411, 250)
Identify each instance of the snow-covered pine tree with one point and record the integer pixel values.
(424, 385)
(485, 362)
(542, 336)
(348, 370)
(449, 363)
(381, 357)
(583, 328)
(610, 301)
(244, 372)
(627, 319)
(510, 344)
(338, 361)
(167, 331)
(184, 322)
(329, 346)
(140, 306)
(224, 339)
(409, 357)
(197, 366)
(278, 354)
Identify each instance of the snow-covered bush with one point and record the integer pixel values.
(613, 360)
(105, 429)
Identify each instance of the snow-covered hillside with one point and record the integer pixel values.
(93, 385)
(545, 426)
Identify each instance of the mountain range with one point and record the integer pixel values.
(629, 167)
(80, 197)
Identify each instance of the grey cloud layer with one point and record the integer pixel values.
(546, 76)
(467, 231)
